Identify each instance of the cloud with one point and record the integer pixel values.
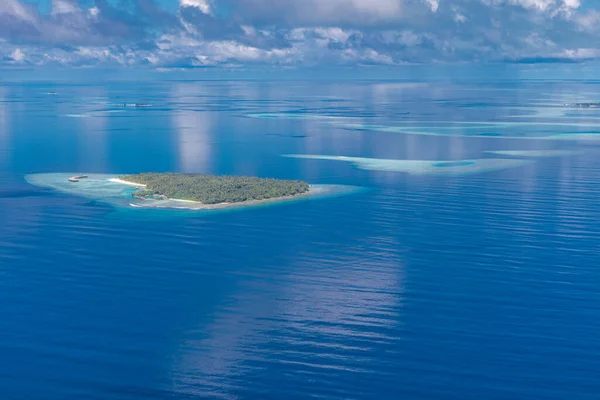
(434, 4)
(64, 7)
(589, 21)
(16, 10)
(18, 55)
(318, 12)
(205, 6)
(552, 6)
(298, 32)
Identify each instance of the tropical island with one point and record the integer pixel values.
(211, 189)
(203, 193)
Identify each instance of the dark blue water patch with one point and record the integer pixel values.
(22, 193)
(114, 130)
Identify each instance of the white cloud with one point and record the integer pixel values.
(458, 17)
(299, 32)
(64, 7)
(379, 9)
(582, 53)
(434, 4)
(249, 30)
(221, 51)
(366, 56)
(319, 12)
(203, 5)
(16, 9)
(589, 20)
(94, 12)
(333, 34)
(458, 14)
(572, 3)
(541, 5)
(18, 55)
(536, 42)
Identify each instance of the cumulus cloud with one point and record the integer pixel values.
(17, 55)
(205, 6)
(297, 32)
(316, 12)
(553, 6)
(434, 4)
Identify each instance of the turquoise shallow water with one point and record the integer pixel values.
(465, 268)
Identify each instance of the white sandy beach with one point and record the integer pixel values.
(186, 201)
(199, 205)
(196, 205)
(117, 180)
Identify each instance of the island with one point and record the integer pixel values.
(583, 105)
(185, 192)
(211, 189)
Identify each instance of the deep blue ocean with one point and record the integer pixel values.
(442, 279)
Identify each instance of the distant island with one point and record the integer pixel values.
(583, 105)
(212, 189)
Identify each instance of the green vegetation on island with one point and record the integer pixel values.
(212, 189)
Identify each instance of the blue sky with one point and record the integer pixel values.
(184, 34)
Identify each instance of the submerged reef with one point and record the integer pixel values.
(423, 167)
(544, 128)
(534, 153)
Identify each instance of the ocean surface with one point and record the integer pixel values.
(467, 267)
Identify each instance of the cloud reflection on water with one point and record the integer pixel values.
(326, 307)
(193, 129)
(4, 127)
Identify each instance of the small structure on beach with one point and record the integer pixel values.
(77, 178)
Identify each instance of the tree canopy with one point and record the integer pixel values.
(213, 189)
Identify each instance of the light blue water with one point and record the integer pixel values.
(444, 279)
